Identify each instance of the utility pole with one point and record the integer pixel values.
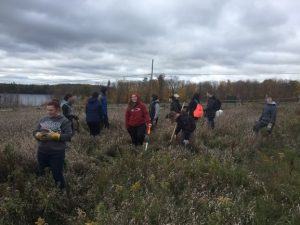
(151, 77)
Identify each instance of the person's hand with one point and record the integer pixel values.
(269, 127)
(54, 136)
(186, 142)
(40, 136)
(76, 118)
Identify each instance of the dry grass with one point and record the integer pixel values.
(228, 176)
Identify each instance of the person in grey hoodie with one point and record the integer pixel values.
(52, 133)
(154, 109)
(268, 116)
(67, 109)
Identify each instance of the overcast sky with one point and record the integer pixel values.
(89, 41)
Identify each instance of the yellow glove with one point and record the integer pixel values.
(53, 136)
(41, 136)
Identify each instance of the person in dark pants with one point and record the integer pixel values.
(136, 120)
(154, 109)
(210, 110)
(185, 123)
(268, 116)
(175, 105)
(67, 109)
(52, 133)
(94, 114)
(103, 101)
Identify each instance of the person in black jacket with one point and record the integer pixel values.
(268, 116)
(185, 123)
(210, 110)
(94, 114)
(67, 109)
(175, 105)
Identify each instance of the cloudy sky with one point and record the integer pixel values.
(91, 41)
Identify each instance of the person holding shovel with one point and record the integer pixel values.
(185, 124)
(137, 120)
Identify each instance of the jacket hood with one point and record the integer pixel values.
(92, 100)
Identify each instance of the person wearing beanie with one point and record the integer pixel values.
(137, 119)
(175, 105)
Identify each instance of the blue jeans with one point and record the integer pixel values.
(56, 163)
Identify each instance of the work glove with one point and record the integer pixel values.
(186, 142)
(50, 136)
(269, 127)
(41, 136)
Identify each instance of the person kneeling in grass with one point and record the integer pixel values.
(268, 116)
(52, 133)
(185, 124)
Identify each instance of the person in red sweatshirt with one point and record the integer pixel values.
(136, 119)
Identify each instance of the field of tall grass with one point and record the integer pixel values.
(228, 175)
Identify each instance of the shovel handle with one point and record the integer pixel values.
(149, 129)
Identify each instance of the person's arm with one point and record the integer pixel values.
(127, 114)
(273, 115)
(178, 127)
(146, 115)
(66, 131)
(157, 108)
(37, 129)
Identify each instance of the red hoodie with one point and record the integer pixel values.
(137, 115)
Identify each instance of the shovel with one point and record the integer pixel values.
(147, 138)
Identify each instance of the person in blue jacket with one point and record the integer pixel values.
(103, 101)
(94, 114)
(268, 116)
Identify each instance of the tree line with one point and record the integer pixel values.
(120, 91)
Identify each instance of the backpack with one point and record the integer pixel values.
(217, 104)
(198, 112)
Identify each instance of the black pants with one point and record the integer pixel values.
(211, 122)
(260, 124)
(105, 121)
(137, 134)
(94, 128)
(56, 163)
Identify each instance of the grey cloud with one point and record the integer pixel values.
(92, 40)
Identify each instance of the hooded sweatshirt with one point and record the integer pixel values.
(93, 110)
(58, 124)
(269, 113)
(185, 123)
(137, 115)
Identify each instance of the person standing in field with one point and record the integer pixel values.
(103, 100)
(175, 104)
(195, 109)
(213, 105)
(154, 109)
(67, 109)
(94, 114)
(137, 119)
(52, 133)
(268, 116)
